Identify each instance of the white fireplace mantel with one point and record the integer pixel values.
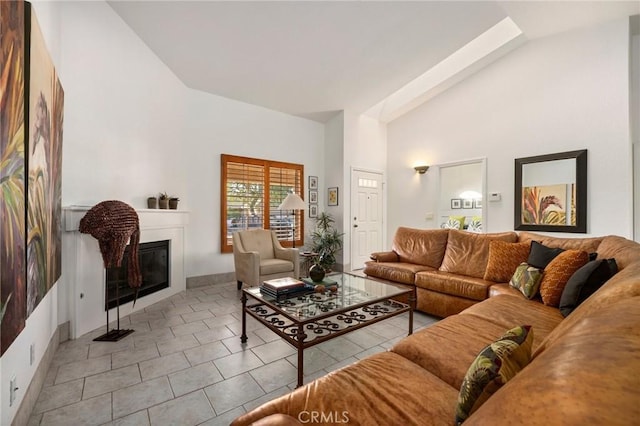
(85, 273)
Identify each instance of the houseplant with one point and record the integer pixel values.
(326, 241)
(163, 201)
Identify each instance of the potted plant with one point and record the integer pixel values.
(326, 241)
(164, 200)
(152, 202)
(173, 202)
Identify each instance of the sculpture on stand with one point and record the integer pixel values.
(113, 224)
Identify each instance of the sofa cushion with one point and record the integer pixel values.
(420, 246)
(624, 251)
(586, 281)
(258, 240)
(494, 366)
(467, 253)
(448, 347)
(503, 260)
(505, 311)
(366, 393)
(558, 272)
(400, 272)
(540, 255)
(526, 279)
(504, 288)
(453, 284)
(454, 222)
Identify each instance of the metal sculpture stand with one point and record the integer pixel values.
(115, 334)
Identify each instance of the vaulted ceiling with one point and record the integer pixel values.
(313, 59)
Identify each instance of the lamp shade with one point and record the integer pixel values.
(292, 202)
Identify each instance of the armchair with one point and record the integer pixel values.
(258, 256)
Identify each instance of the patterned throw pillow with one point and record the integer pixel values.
(526, 279)
(454, 222)
(504, 258)
(558, 272)
(493, 367)
(475, 225)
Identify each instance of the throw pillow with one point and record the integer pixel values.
(558, 272)
(475, 225)
(454, 222)
(527, 279)
(586, 281)
(540, 255)
(504, 258)
(493, 367)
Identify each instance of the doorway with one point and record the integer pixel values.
(366, 215)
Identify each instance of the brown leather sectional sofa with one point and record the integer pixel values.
(585, 368)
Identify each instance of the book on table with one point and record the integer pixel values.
(281, 285)
(288, 292)
(327, 282)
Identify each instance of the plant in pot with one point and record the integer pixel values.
(327, 242)
(173, 202)
(163, 201)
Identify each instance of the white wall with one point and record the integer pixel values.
(220, 126)
(560, 93)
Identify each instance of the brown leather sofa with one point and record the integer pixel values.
(585, 368)
(447, 266)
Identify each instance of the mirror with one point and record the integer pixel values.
(462, 195)
(551, 192)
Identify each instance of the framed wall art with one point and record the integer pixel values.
(313, 210)
(551, 192)
(313, 197)
(313, 182)
(467, 204)
(333, 196)
(456, 203)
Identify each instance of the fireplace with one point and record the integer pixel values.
(154, 266)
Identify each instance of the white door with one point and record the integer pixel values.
(366, 216)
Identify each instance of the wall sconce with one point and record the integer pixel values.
(421, 169)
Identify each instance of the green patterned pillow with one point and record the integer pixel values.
(526, 279)
(475, 225)
(493, 367)
(454, 222)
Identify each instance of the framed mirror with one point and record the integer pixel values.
(551, 192)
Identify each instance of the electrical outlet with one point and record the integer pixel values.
(13, 387)
(32, 353)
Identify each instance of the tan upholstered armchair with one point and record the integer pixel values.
(258, 256)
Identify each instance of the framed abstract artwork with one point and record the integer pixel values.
(551, 192)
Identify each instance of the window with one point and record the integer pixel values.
(252, 190)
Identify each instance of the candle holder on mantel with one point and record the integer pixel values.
(113, 224)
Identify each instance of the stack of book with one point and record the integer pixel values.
(283, 286)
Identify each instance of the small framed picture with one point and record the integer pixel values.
(313, 197)
(456, 203)
(313, 182)
(313, 210)
(467, 204)
(333, 196)
(477, 204)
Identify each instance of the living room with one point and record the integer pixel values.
(133, 129)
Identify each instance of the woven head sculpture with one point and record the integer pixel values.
(113, 223)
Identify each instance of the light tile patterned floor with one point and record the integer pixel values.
(185, 365)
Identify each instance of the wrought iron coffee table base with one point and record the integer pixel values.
(303, 334)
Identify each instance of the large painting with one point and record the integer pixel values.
(12, 172)
(44, 210)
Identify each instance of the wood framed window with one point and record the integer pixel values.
(251, 192)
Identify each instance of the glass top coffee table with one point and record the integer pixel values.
(306, 319)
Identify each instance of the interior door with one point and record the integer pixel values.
(366, 216)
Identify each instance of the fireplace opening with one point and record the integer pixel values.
(154, 266)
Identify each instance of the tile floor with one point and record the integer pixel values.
(185, 365)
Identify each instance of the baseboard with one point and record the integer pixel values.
(203, 280)
(33, 391)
